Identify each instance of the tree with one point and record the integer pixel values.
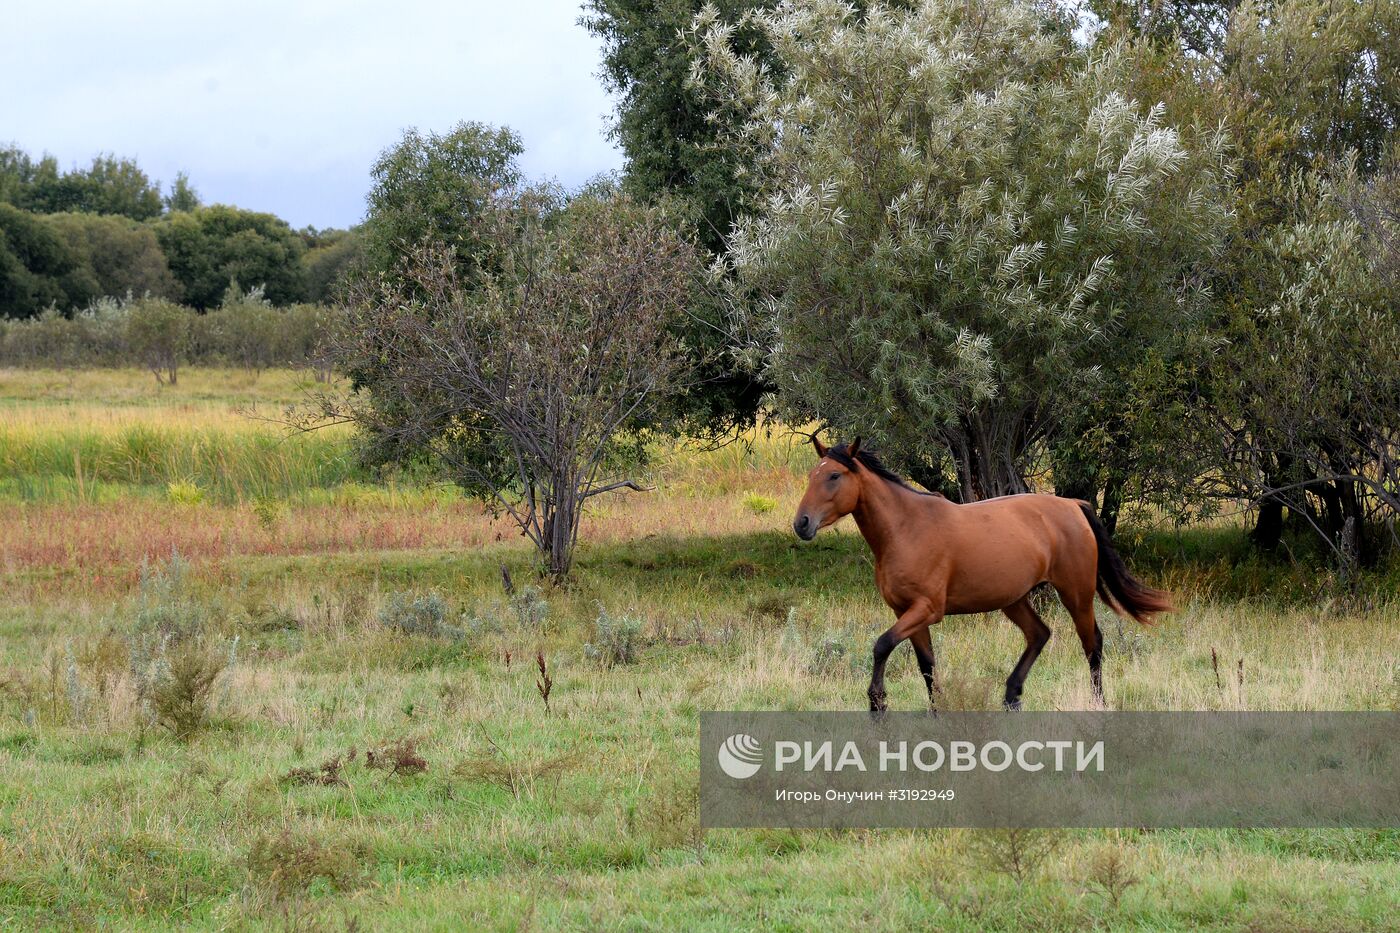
(19, 172)
(1310, 90)
(531, 385)
(209, 247)
(330, 257)
(434, 189)
(669, 132)
(37, 268)
(182, 196)
(1306, 415)
(666, 127)
(963, 217)
(1314, 80)
(159, 332)
(122, 255)
(109, 186)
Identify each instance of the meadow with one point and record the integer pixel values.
(355, 735)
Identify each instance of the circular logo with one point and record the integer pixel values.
(740, 756)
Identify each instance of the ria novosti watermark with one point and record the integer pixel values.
(1050, 769)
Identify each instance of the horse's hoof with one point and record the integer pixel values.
(1013, 706)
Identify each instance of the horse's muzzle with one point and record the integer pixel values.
(805, 527)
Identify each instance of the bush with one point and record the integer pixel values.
(616, 640)
(423, 614)
(246, 330)
(530, 607)
(288, 864)
(166, 607)
(162, 336)
(180, 687)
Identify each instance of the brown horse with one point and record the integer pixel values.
(935, 558)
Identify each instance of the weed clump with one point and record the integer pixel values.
(184, 492)
(398, 758)
(831, 655)
(330, 773)
(166, 605)
(1111, 873)
(288, 864)
(759, 505)
(517, 776)
(173, 659)
(422, 614)
(530, 607)
(616, 640)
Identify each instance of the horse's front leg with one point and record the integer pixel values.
(916, 617)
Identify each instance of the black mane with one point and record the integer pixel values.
(841, 454)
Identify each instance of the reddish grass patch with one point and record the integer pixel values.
(105, 545)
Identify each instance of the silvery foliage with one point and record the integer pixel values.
(963, 220)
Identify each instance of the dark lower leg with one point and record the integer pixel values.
(1096, 665)
(884, 645)
(1017, 680)
(1037, 634)
(923, 651)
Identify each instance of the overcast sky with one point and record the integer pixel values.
(282, 105)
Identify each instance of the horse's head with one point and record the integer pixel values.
(833, 489)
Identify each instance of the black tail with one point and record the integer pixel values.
(1124, 592)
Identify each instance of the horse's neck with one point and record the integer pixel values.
(880, 512)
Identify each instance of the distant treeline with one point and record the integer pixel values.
(70, 238)
(245, 330)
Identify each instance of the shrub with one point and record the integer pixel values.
(831, 654)
(616, 640)
(422, 614)
(1017, 851)
(288, 864)
(167, 608)
(269, 513)
(180, 688)
(530, 607)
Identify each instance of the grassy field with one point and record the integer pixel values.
(372, 751)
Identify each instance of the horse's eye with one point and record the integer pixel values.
(835, 476)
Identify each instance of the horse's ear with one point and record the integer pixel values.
(821, 448)
(854, 448)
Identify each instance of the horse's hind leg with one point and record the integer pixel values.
(923, 650)
(1081, 609)
(1037, 634)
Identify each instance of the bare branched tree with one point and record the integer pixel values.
(533, 385)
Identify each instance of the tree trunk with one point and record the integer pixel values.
(982, 473)
(1112, 502)
(1268, 527)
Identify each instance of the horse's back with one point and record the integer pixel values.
(1003, 547)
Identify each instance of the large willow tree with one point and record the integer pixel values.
(967, 237)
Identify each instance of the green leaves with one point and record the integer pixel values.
(964, 223)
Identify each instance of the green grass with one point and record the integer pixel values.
(110, 821)
(584, 817)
